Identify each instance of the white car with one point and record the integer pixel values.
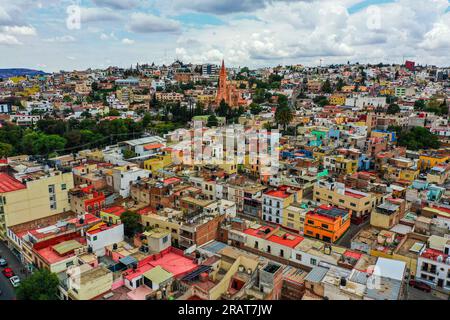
(15, 281)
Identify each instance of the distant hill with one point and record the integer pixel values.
(8, 73)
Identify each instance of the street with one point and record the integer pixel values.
(346, 239)
(416, 294)
(7, 289)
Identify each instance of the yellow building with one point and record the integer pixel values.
(112, 214)
(409, 174)
(336, 194)
(340, 164)
(294, 217)
(166, 219)
(89, 283)
(429, 160)
(157, 163)
(206, 99)
(37, 195)
(337, 99)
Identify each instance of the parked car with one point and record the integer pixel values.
(3, 262)
(420, 285)
(8, 272)
(15, 281)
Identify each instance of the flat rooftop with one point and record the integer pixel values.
(280, 237)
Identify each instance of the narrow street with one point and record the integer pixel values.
(8, 292)
(346, 239)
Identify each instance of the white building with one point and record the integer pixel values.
(100, 237)
(433, 263)
(124, 176)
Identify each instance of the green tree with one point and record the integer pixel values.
(255, 108)
(212, 121)
(419, 105)
(6, 150)
(127, 154)
(393, 109)
(114, 113)
(131, 223)
(41, 285)
(283, 116)
(418, 138)
(326, 87)
(224, 109)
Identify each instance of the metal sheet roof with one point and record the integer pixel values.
(316, 274)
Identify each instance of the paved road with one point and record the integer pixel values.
(415, 294)
(8, 292)
(346, 239)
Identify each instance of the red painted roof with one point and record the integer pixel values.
(290, 240)
(117, 211)
(353, 195)
(153, 146)
(352, 254)
(9, 184)
(171, 180)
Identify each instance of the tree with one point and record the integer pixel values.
(6, 150)
(212, 121)
(255, 108)
(283, 116)
(340, 84)
(326, 87)
(131, 222)
(418, 138)
(393, 109)
(224, 109)
(114, 113)
(419, 105)
(127, 154)
(41, 285)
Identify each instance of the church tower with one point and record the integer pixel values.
(222, 88)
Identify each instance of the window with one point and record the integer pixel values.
(256, 244)
(165, 239)
(68, 264)
(282, 253)
(313, 261)
(63, 186)
(311, 222)
(341, 201)
(325, 226)
(94, 238)
(298, 256)
(268, 249)
(51, 188)
(352, 204)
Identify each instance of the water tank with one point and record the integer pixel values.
(343, 282)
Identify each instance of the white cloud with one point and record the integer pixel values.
(127, 41)
(19, 30)
(98, 15)
(62, 39)
(6, 39)
(117, 4)
(105, 36)
(439, 36)
(149, 23)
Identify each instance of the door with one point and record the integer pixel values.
(440, 283)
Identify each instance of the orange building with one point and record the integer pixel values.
(327, 223)
(227, 91)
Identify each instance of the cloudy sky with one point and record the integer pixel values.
(76, 34)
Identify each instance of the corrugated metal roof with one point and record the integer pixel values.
(128, 260)
(316, 274)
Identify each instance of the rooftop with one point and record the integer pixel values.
(9, 184)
